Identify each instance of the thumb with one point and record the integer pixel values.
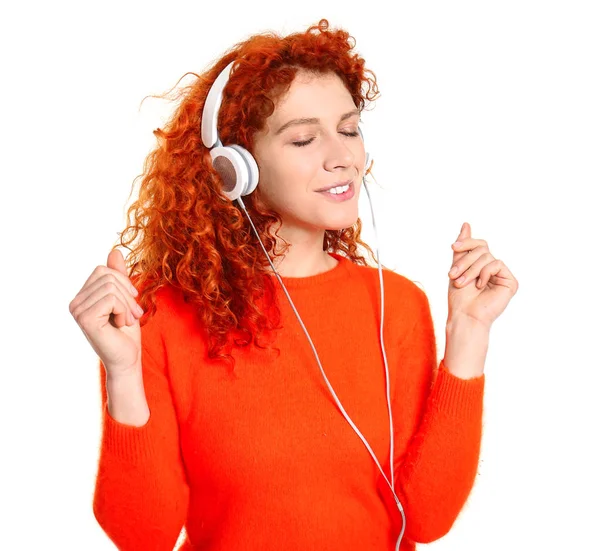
(465, 232)
(116, 261)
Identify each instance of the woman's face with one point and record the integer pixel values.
(311, 141)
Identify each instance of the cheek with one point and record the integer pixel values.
(273, 181)
(288, 171)
(361, 158)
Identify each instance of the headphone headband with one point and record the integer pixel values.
(210, 113)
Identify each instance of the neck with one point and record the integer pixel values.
(304, 257)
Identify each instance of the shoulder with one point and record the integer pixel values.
(173, 326)
(401, 293)
(170, 299)
(171, 309)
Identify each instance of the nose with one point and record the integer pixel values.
(337, 153)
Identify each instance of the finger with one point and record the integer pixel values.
(126, 295)
(93, 283)
(474, 270)
(489, 271)
(468, 244)
(464, 235)
(118, 314)
(506, 273)
(109, 309)
(116, 261)
(465, 232)
(462, 261)
(101, 271)
(501, 275)
(484, 276)
(122, 310)
(460, 266)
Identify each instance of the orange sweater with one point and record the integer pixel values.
(263, 459)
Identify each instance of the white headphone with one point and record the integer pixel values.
(236, 165)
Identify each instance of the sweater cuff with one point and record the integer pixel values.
(457, 396)
(127, 442)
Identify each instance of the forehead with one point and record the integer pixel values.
(313, 95)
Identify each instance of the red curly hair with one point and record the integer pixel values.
(186, 233)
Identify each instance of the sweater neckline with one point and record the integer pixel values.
(336, 273)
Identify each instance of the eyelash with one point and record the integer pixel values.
(302, 144)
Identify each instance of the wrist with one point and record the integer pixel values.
(461, 322)
(123, 376)
(126, 398)
(466, 347)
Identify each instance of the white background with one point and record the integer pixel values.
(489, 113)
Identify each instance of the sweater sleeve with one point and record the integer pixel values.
(437, 470)
(141, 496)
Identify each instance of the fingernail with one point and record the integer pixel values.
(139, 309)
(453, 271)
(134, 291)
(457, 244)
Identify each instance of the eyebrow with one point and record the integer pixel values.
(295, 122)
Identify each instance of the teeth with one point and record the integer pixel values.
(340, 189)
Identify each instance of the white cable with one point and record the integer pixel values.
(387, 376)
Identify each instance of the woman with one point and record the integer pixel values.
(204, 424)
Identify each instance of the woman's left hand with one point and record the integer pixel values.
(488, 284)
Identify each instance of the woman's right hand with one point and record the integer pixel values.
(106, 311)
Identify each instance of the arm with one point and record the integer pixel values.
(141, 495)
(437, 469)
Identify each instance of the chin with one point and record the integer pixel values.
(343, 224)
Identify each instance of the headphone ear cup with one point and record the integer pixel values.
(237, 168)
(251, 167)
(232, 170)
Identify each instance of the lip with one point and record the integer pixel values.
(338, 184)
(340, 196)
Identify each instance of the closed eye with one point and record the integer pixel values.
(349, 134)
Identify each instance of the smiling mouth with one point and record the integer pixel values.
(343, 196)
(328, 190)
